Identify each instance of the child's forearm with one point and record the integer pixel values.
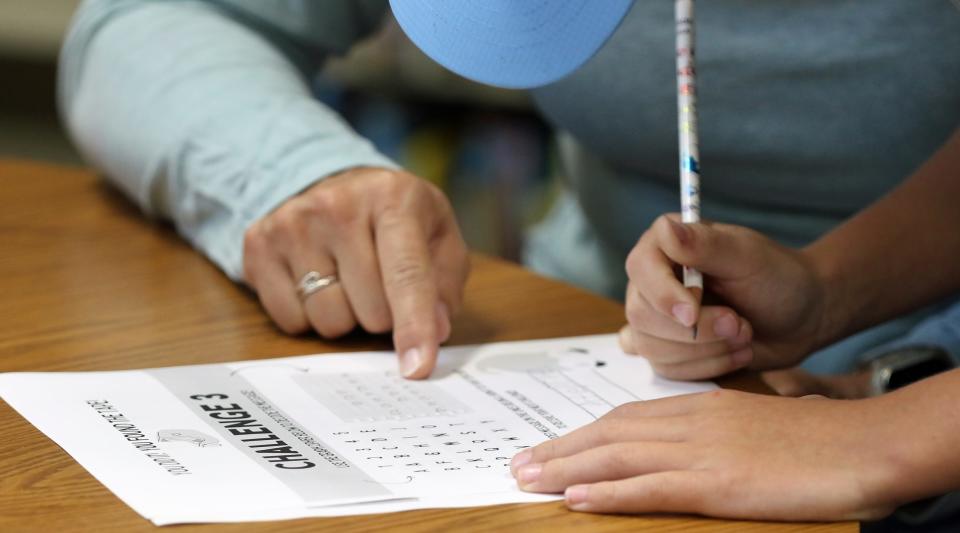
(922, 438)
(898, 254)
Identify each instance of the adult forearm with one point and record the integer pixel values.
(199, 118)
(900, 253)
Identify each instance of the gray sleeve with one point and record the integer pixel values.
(201, 111)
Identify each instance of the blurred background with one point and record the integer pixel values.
(485, 147)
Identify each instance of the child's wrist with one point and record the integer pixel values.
(836, 313)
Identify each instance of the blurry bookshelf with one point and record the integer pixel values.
(30, 35)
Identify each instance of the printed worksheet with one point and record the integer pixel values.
(328, 435)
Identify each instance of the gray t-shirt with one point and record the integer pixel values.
(809, 111)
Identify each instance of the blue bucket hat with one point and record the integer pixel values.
(517, 44)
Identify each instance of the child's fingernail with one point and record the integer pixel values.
(576, 496)
(727, 326)
(684, 314)
(521, 459)
(528, 474)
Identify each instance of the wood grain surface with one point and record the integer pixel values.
(88, 283)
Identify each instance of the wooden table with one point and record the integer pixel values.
(87, 283)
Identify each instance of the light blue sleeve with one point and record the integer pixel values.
(201, 111)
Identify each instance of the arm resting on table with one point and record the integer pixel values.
(202, 112)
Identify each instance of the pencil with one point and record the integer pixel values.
(687, 129)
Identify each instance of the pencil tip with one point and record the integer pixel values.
(695, 332)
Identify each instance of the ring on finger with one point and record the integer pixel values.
(313, 282)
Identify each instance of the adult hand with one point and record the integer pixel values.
(774, 301)
(727, 454)
(392, 240)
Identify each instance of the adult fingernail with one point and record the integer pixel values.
(529, 474)
(742, 357)
(410, 362)
(727, 326)
(521, 459)
(681, 231)
(684, 314)
(576, 496)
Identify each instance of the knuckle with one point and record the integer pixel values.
(609, 431)
(436, 195)
(289, 323)
(331, 205)
(254, 240)
(378, 321)
(622, 414)
(637, 256)
(543, 452)
(662, 225)
(657, 497)
(619, 411)
(396, 186)
(554, 473)
(637, 313)
(284, 222)
(663, 301)
(631, 265)
(289, 320)
(606, 494)
(409, 272)
(616, 458)
(253, 250)
(291, 326)
(397, 218)
(641, 344)
(331, 328)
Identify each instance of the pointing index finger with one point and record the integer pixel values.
(411, 292)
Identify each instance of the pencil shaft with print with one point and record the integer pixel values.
(687, 128)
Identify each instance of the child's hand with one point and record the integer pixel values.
(731, 455)
(773, 299)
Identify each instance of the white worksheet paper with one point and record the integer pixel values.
(329, 435)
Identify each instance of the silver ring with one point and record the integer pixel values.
(312, 282)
